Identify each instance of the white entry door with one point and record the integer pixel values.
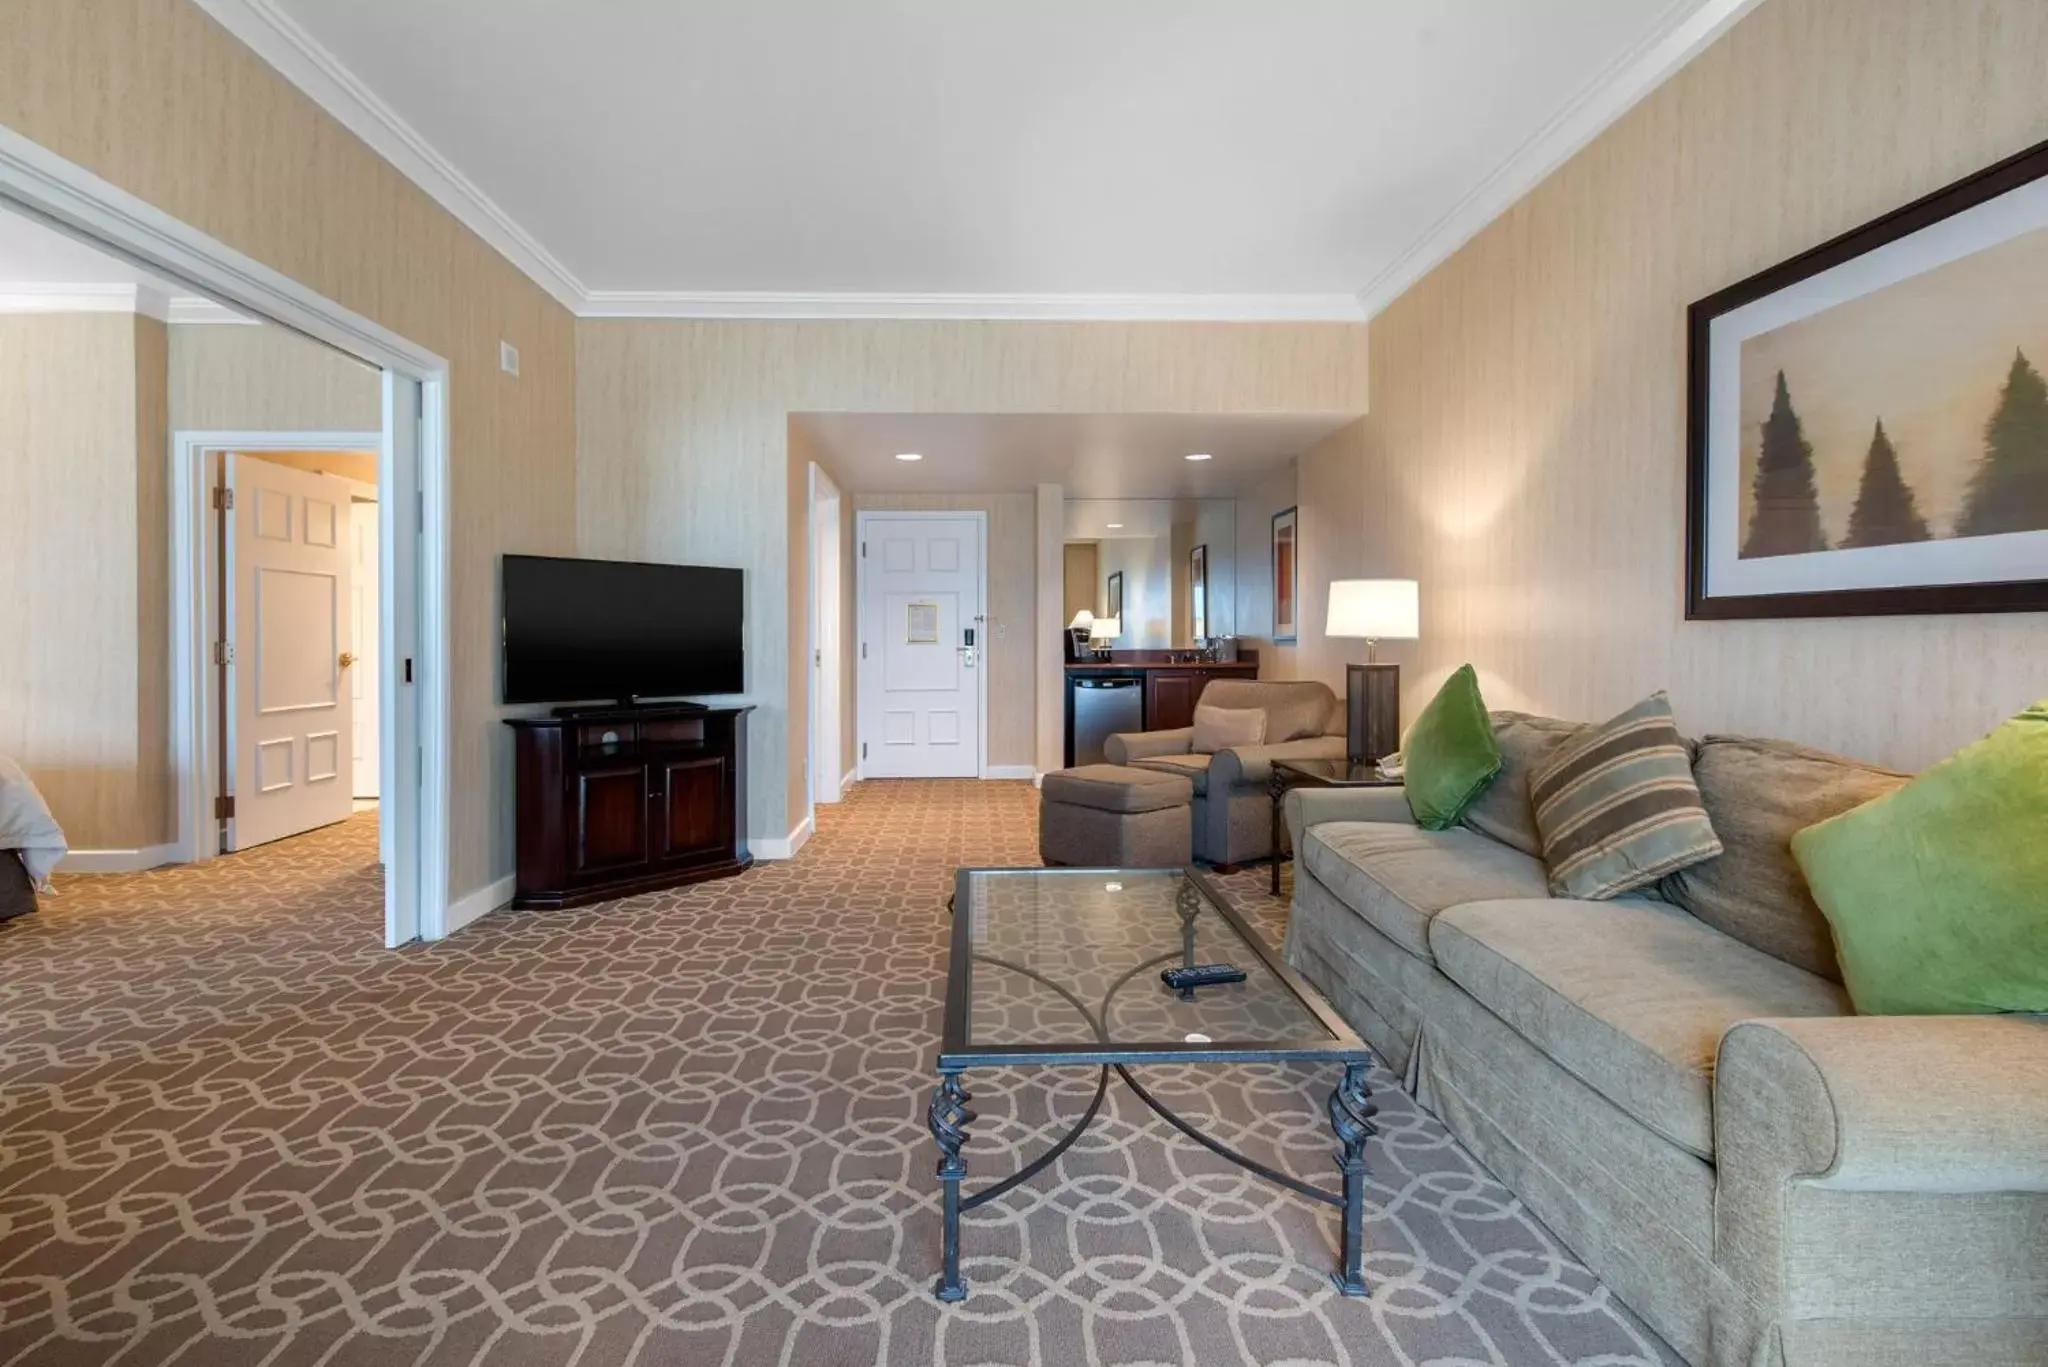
(921, 645)
(362, 622)
(290, 723)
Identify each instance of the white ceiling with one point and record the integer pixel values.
(933, 157)
(1125, 455)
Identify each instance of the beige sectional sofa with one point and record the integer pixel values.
(1676, 1083)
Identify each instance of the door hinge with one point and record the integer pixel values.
(223, 497)
(408, 669)
(223, 808)
(223, 652)
(423, 511)
(863, 550)
(863, 650)
(863, 749)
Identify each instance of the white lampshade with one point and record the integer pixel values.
(1105, 629)
(1375, 610)
(1083, 620)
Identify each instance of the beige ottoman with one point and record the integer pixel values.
(1110, 816)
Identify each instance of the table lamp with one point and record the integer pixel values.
(1077, 633)
(1103, 630)
(1373, 610)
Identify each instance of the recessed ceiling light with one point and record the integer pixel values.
(908, 455)
(1199, 455)
(1116, 526)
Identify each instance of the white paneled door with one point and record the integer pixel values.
(922, 647)
(290, 723)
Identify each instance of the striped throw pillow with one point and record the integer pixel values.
(1617, 807)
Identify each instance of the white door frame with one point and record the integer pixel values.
(861, 519)
(827, 654)
(195, 586)
(414, 591)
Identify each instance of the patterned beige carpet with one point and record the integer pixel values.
(685, 1128)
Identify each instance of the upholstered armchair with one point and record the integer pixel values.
(1233, 812)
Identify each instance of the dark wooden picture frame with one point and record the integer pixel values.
(2003, 595)
(1286, 564)
(1113, 597)
(1198, 594)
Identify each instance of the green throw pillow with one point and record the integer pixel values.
(1451, 756)
(1938, 893)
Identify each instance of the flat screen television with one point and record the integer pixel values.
(616, 631)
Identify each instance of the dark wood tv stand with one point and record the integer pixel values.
(614, 801)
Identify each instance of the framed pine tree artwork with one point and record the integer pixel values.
(1867, 425)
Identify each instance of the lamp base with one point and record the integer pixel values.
(1372, 712)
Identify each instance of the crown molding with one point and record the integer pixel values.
(1175, 308)
(42, 298)
(189, 310)
(1685, 28)
(38, 297)
(1683, 32)
(279, 40)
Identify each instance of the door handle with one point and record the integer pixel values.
(347, 658)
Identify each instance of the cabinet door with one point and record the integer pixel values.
(1170, 700)
(611, 818)
(691, 812)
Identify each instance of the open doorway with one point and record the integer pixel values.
(172, 745)
(288, 721)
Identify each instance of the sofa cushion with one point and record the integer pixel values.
(1503, 811)
(1618, 807)
(1193, 768)
(1630, 996)
(1759, 793)
(1398, 877)
(1116, 788)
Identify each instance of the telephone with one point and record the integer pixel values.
(1392, 766)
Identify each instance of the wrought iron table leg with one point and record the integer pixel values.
(949, 1119)
(1351, 1113)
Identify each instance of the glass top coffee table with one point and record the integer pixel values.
(1061, 968)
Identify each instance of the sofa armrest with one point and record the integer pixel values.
(1306, 807)
(1851, 1150)
(1891, 1103)
(1130, 745)
(1252, 765)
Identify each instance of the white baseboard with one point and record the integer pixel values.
(846, 782)
(118, 861)
(484, 900)
(1011, 771)
(785, 848)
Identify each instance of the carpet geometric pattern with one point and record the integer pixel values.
(682, 1128)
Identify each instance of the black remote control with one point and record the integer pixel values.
(1186, 980)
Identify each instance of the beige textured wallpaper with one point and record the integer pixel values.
(153, 96)
(229, 378)
(682, 435)
(82, 530)
(1525, 453)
